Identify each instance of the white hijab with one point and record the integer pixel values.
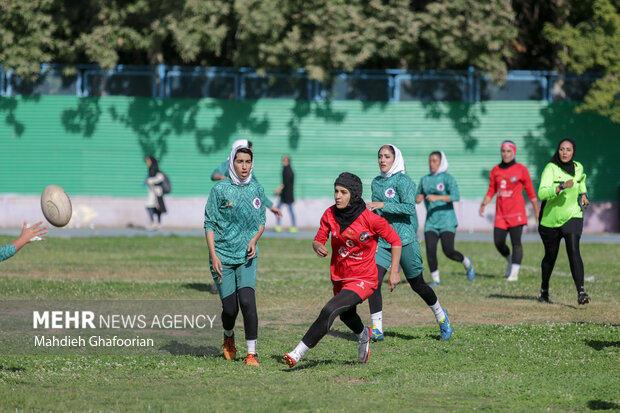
(443, 164)
(397, 166)
(241, 143)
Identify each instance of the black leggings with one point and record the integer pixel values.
(499, 237)
(342, 304)
(551, 237)
(375, 302)
(245, 299)
(447, 244)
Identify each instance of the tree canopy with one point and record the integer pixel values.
(322, 36)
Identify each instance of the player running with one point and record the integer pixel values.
(564, 195)
(508, 179)
(234, 221)
(439, 191)
(354, 234)
(393, 198)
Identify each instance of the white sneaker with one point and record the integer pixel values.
(363, 345)
(514, 276)
(509, 265)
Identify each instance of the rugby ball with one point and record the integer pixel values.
(56, 205)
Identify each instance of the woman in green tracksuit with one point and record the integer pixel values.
(439, 191)
(393, 198)
(564, 195)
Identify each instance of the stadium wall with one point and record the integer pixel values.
(95, 147)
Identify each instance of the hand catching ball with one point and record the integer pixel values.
(56, 205)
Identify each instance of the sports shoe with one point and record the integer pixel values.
(363, 345)
(290, 360)
(471, 273)
(377, 335)
(509, 265)
(230, 351)
(543, 297)
(278, 228)
(434, 283)
(583, 298)
(293, 230)
(251, 360)
(514, 276)
(445, 327)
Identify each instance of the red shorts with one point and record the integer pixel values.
(362, 288)
(512, 221)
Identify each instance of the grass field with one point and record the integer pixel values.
(508, 352)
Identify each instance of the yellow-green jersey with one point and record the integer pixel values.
(557, 209)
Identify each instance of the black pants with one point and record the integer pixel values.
(551, 237)
(375, 301)
(447, 245)
(244, 298)
(342, 304)
(154, 212)
(499, 237)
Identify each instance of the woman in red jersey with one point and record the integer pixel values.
(354, 232)
(508, 179)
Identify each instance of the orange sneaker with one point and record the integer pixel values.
(288, 359)
(230, 351)
(251, 360)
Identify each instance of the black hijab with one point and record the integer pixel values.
(154, 168)
(568, 167)
(356, 206)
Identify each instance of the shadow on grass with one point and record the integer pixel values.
(182, 349)
(528, 298)
(11, 369)
(202, 287)
(599, 345)
(307, 363)
(343, 334)
(400, 335)
(603, 405)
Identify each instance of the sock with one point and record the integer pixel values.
(377, 320)
(299, 351)
(439, 314)
(509, 258)
(435, 275)
(229, 333)
(514, 270)
(466, 262)
(251, 344)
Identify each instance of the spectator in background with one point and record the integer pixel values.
(28, 234)
(221, 172)
(286, 193)
(155, 202)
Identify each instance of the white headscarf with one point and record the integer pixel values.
(443, 164)
(241, 143)
(397, 166)
(244, 143)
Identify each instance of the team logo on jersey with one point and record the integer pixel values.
(440, 186)
(361, 285)
(364, 236)
(350, 243)
(513, 179)
(256, 203)
(390, 193)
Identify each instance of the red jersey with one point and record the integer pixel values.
(353, 252)
(509, 184)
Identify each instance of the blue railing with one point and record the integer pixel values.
(243, 83)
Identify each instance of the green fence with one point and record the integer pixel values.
(96, 146)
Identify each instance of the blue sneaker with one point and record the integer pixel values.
(377, 335)
(434, 283)
(445, 326)
(471, 273)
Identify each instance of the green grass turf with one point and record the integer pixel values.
(508, 352)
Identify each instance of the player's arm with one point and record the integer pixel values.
(529, 191)
(212, 215)
(489, 195)
(583, 191)
(419, 197)
(219, 173)
(548, 188)
(380, 226)
(318, 244)
(261, 225)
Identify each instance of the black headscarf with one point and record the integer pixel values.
(568, 167)
(356, 206)
(154, 168)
